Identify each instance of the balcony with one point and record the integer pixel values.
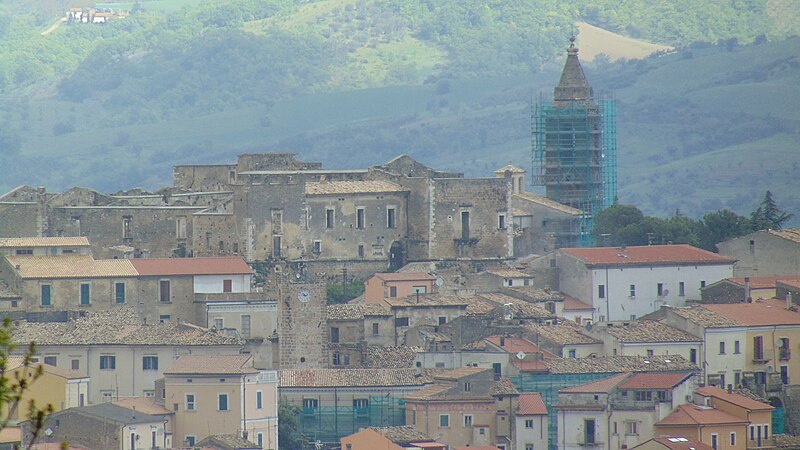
(759, 358)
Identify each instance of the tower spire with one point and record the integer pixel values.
(573, 85)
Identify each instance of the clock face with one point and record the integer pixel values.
(303, 295)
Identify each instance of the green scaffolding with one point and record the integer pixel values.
(328, 424)
(548, 385)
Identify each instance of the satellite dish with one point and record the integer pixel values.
(666, 292)
(520, 355)
(48, 432)
(439, 281)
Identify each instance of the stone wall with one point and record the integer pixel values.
(70, 426)
(202, 177)
(722, 293)
(18, 219)
(302, 327)
(767, 255)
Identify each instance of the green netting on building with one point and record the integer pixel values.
(330, 423)
(548, 385)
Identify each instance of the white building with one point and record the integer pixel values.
(623, 283)
(531, 422)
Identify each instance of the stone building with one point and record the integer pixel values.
(765, 252)
(303, 326)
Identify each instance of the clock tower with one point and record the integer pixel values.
(303, 326)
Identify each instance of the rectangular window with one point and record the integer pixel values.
(108, 362)
(420, 289)
(180, 227)
(276, 246)
(310, 404)
(259, 400)
(150, 362)
(702, 284)
(360, 403)
(227, 285)
(733, 439)
(391, 219)
(25, 251)
(464, 224)
(163, 318)
(219, 324)
(190, 405)
(413, 417)
(467, 420)
(317, 247)
(245, 328)
(693, 355)
(360, 250)
(392, 291)
(528, 423)
(736, 349)
(119, 292)
(190, 440)
(501, 221)
(163, 291)
(85, 300)
(46, 295)
(335, 335)
(528, 446)
(758, 348)
(277, 221)
(588, 431)
(714, 441)
(571, 353)
(601, 291)
(444, 420)
(360, 218)
(644, 396)
(375, 329)
(631, 428)
(401, 322)
(126, 227)
(329, 218)
(722, 348)
(260, 440)
(633, 291)
(682, 289)
(442, 320)
(660, 289)
(51, 360)
(222, 402)
(75, 364)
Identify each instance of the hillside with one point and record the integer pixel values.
(356, 82)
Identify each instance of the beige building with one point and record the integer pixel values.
(122, 356)
(222, 394)
(54, 386)
(390, 438)
(648, 338)
(531, 422)
(44, 246)
(386, 286)
(765, 252)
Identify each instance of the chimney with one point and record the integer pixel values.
(747, 289)
(789, 300)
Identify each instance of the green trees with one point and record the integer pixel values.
(768, 215)
(289, 434)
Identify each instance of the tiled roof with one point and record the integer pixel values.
(791, 234)
(353, 377)
(535, 293)
(617, 364)
(704, 317)
(519, 308)
(509, 273)
(426, 300)
(544, 201)
(531, 403)
(461, 372)
(650, 331)
(680, 443)
(404, 276)
(573, 304)
(786, 441)
(509, 168)
(59, 241)
(504, 386)
(117, 326)
(515, 345)
(535, 365)
(356, 311)
(793, 284)
(763, 282)
(736, 399)
(222, 265)
(402, 435)
(352, 187)
(480, 447)
(212, 365)
(380, 357)
(566, 332)
(476, 305)
(146, 405)
(679, 254)
(115, 413)
(228, 442)
(71, 266)
(603, 386)
(691, 414)
(758, 313)
(654, 380)
(431, 392)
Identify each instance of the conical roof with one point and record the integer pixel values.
(573, 85)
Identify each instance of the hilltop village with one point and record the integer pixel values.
(480, 315)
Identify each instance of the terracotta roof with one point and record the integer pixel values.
(426, 300)
(544, 201)
(228, 442)
(679, 443)
(690, 414)
(457, 374)
(404, 276)
(71, 266)
(536, 365)
(763, 282)
(509, 273)
(480, 447)
(758, 313)
(531, 403)
(212, 365)
(222, 265)
(519, 308)
(430, 392)
(736, 399)
(515, 345)
(117, 326)
(603, 386)
(356, 311)
(654, 380)
(476, 305)
(793, 284)
(704, 317)
(60, 241)
(402, 435)
(352, 187)
(504, 386)
(566, 332)
(791, 234)
(617, 364)
(146, 405)
(380, 357)
(680, 254)
(573, 304)
(509, 168)
(650, 331)
(786, 441)
(353, 377)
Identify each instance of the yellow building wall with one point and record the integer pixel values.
(47, 389)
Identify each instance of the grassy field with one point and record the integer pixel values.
(593, 41)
